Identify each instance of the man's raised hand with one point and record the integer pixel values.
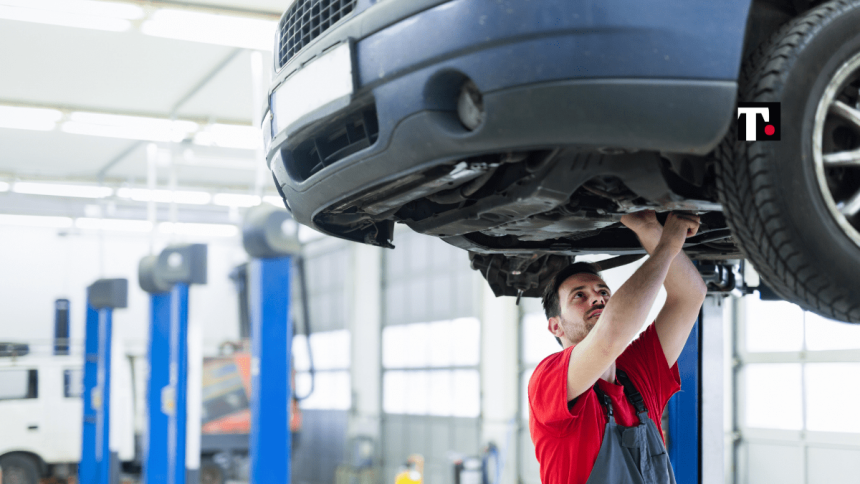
(641, 221)
(677, 228)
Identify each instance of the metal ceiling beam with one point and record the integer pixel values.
(69, 108)
(117, 159)
(205, 8)
(206, 79)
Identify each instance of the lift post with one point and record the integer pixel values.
(268, 238)
(155, 454)
(103, 296)
(695, 427)
(179, 267)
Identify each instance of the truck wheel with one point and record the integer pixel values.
(211, 473)
(794, 205)
(19, 469)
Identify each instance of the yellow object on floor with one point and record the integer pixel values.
(414, 472)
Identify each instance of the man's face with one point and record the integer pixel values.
(581, 298)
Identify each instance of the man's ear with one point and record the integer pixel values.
(554, 327)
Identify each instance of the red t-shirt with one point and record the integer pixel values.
(567, 441)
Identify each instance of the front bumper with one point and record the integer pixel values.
(552, 73)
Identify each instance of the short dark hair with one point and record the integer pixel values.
(550, 301)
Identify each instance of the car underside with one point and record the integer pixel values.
(523, 214)
(526, 137)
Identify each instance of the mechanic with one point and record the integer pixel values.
(595, 407)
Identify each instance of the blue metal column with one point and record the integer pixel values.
(271, 342)
(178, 383)
(155, 450)
(87, 470)
(103, 405)
(102, 297)
(684, 422)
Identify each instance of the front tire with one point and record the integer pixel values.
(790, 210)
(19, 469)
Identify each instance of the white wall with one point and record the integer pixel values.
(37, 266)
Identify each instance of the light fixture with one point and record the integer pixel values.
(195, 229)
(61, 190)
(129, 127)
(36, 221)
(38, 119)
(230, 136)
(244, 32)
(113, 224)
(4, 187)
(88, 14)
(164, 196)
(273, 200)
(235, 200)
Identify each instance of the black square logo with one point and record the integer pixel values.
(759, 122)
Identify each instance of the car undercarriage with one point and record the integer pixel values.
(523, 215)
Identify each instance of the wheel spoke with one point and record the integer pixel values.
(842, 158)
(851, 207)
(846, 112)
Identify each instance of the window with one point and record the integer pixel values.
(537, 344)
(73, 383)
(773, 326)
(19, 384)
(827, 384)
(797, 374)
(773, 396)
(429, 372)
(331, 382)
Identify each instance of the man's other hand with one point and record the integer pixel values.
(643, 221)
(677, 228)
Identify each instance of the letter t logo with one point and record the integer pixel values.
(749, 127)
(751, 119)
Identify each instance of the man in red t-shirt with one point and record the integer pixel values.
(567, 418)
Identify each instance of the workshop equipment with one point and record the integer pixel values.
(155, 455)
(103, 296)
(269, 240)
(180, 266)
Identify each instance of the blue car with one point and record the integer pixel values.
(522, 130)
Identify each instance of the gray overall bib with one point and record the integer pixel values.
(631, 455)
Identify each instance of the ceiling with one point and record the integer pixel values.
(72, 69)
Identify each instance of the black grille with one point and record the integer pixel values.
(337, 141)
(307, 20)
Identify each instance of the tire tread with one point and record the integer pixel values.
(746, 188)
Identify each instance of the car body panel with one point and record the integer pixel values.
(657, 75)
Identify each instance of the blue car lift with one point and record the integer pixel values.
(167, 278)
(695, 437)
(266, 240)
(103, 296)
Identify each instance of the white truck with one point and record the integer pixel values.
(41, 415)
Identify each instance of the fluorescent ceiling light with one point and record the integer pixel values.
(248, 33)
(36, 221)
(110, 16)
(4, 187)
(59, 190)
(202, 230)
(273, 200)
(128, 127)
(37, 119)
(230, 136)
(235, 200)
(165, 196)
(113, 224)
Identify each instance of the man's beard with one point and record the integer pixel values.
(578, 331)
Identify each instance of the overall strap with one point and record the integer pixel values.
(604, 398)
(632, 394)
